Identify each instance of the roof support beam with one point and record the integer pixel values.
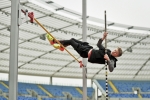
(59, 9)
(46, 75)
(111, 24)
(141, 67)
(73, 72)
(64, 66)
(137, 42)
(49, 2)
(131, 27)
(36, 58)
(7, 27)
(36, 63)
(10, 5)
(45, 52)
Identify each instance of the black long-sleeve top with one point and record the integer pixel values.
(97, 56)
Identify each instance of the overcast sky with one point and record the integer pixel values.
(129, 12)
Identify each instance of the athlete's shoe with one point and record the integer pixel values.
(58, 46)
(51, 40)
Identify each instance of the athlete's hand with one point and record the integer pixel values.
(104, 35)
(106, 57)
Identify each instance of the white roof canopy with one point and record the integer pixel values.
(37, 57)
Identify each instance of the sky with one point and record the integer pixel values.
(128, 12)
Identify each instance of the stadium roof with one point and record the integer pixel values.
(37, 57)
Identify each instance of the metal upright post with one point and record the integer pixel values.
(84, 35)
(51, 81)
(13, 63)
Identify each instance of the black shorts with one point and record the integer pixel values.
(83, 49)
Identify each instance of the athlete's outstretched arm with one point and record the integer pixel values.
(99, 44)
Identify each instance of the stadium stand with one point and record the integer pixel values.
(146, 95)
(25, 91)
(2, 98)
(123, 95)
(90, 92)
(58, 90)
(26, 98)
(126, 88)
(3, 88)
(23, 87)
(102, 83)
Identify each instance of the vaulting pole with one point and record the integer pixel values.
(106, 60)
